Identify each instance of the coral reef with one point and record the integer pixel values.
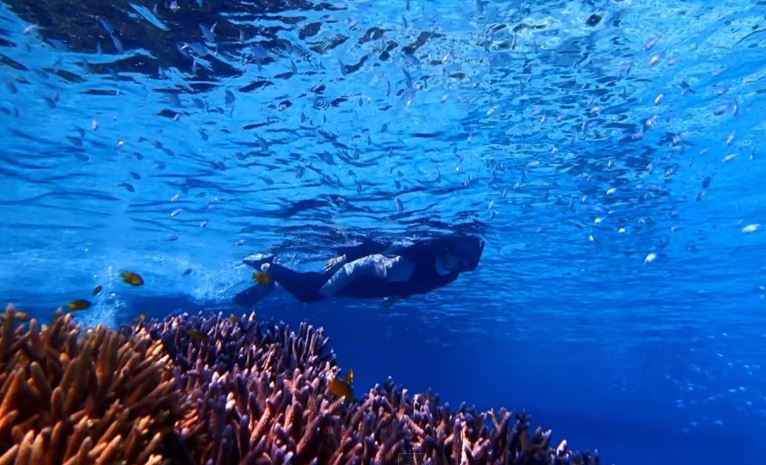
(95, 398)
(258, 395)
(208, 390)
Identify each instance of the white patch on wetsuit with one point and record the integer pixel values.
(392, 269)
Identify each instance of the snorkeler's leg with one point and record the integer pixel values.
(304, 286)
(252, 294)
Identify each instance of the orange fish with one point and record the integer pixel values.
(97, 289)
(233, 318)
(340, 388)
(141, 316)
(134, 279)
(78, 304)
(349, 378)
(262, 278)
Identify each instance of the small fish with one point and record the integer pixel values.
(399, 205)
(196, 335)
(208, 32)
(117, 43)
(175, 197)
(233, 318)
(340, 388)
(97, 289)
(106, 25)
(706, 182)
(129, 187)
(30, 28)
(650, 257)
(720, 109)
(175, 212)
(349, 378)
(141, 316)
(751, 228)
(198, 48)
(78, 304)
(262, 278)
(187, 271)
(134, 279)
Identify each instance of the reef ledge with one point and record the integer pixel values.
(204, 389)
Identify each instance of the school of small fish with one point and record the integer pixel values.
(404, 76)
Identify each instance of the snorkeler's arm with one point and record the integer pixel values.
(393, 269)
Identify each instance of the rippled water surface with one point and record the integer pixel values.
(610, 153)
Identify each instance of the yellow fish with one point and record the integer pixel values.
(141, 316)
(233, 318)
(134, 279)
(97, 289)
(196, 335)
(349, 376)
(262, 278)
(78, 304)
(340, 388)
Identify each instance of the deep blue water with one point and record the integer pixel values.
(616, 171)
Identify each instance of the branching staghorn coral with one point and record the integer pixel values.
(206, 390)
(96, 398)
(258, 395)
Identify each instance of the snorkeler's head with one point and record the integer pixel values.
(460, 253)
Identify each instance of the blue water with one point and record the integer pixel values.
(616, 171)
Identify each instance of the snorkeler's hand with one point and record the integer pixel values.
(334, 263)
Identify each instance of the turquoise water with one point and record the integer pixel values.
(615, 170)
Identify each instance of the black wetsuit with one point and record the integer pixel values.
(305, 286)
(424, 277)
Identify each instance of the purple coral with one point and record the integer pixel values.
(258, 395)
(206, 390)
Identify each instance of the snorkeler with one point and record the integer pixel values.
(370, 270)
